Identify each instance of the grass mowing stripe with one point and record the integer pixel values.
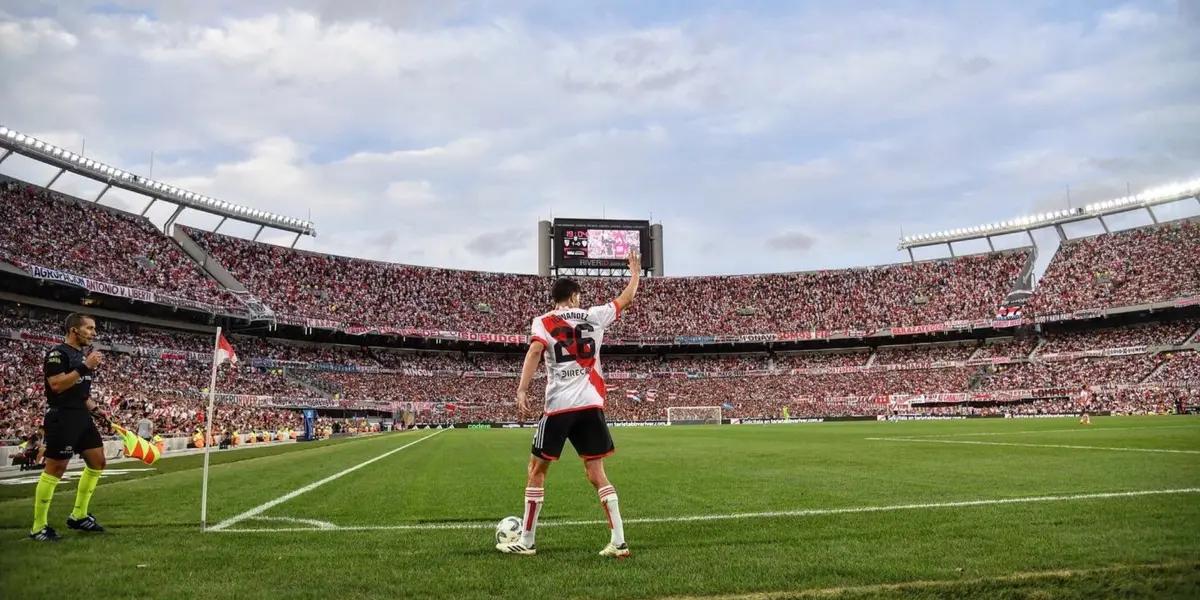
(922, 585)
(808, 512)
(316, 484)
(1066, 446)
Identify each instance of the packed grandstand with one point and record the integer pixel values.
(1112, 326)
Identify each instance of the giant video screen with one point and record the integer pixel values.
(600, 243)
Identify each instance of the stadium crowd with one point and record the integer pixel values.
(1124, 268)
(821, 360)
(363, 292)
(1072, 374)
(153, 373)
(448, 387)
(924, 353)
(104, 244)
(1179, 367)
(1014, 347)
(1149, 334)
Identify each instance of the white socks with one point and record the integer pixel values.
(534, 496)
(608, 500)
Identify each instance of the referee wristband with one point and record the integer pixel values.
(83, 371)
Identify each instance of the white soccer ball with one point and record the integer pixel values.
(508, 530)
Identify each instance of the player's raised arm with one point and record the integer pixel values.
(635, 268)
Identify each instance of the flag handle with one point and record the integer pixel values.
(212, 394)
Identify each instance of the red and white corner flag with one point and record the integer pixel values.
(225, 351)
(221, 353)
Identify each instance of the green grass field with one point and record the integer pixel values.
(1027, 508)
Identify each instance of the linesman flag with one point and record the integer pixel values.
(225, 351)
(136, 447)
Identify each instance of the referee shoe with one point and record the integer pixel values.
(87, 523)
(46, 534)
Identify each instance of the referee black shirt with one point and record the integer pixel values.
(64, 359)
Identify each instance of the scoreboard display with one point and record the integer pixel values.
(600, 243)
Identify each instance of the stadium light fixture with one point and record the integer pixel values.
(1146, 198)
(59, 157)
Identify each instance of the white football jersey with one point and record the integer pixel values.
(572, 339)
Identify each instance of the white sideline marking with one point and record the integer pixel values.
(1081, 428)
(808, 512)
(1067, 446)
(254, 512)
(313, 522)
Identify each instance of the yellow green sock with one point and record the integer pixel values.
(41, 500)
(87, 484)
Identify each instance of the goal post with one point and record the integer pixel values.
(693, 415)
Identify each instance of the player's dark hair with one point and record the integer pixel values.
(563, 289)
(76, 320)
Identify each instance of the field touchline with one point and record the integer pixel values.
(314, 485)
(1067, 446)
(804, 512)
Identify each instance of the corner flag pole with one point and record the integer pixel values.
(212, 394)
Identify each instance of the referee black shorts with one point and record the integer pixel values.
(587, 430)
(70, 432)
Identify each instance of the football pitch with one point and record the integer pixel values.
(936, 509)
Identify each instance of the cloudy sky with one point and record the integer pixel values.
(765, 136)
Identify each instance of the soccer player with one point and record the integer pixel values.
(69, 427)
(569, 338)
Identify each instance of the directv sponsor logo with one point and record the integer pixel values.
(1046, 416)
(922, 417)
(762, 421)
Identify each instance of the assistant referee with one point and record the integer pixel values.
(69, 427)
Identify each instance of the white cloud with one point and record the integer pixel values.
(457, 150)
(422, 132)
(35, 36)
(410, 194)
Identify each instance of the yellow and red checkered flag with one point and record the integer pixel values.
(136, 447)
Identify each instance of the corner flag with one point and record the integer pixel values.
(224, 351)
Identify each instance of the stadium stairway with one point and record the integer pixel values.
(1153, 372)
(1194, 338)
(1032, 353)
(209, 264)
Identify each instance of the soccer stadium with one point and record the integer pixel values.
(1004, 408)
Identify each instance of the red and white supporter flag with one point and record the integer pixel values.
(225, 351)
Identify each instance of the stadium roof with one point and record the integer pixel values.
(15, 142)
(1096, 210)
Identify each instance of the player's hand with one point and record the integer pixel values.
(101, 416)
(635, 261)
(93, 359)
(522, 402)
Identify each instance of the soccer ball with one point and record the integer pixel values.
(508, 530)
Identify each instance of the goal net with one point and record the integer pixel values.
(694, 415)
